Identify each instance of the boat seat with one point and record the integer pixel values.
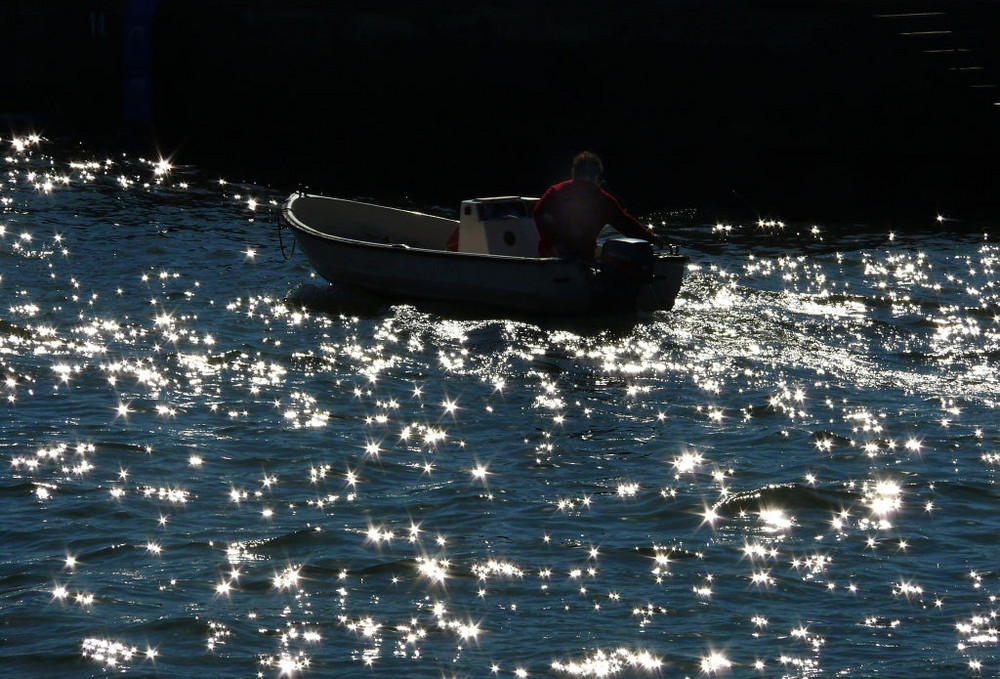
(498, 226)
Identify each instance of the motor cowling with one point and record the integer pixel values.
(631, 258)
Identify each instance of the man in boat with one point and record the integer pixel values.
(571, 214)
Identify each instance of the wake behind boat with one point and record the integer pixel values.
(487, 257)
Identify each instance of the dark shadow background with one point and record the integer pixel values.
(812, 109)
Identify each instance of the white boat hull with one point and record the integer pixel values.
(404, 254)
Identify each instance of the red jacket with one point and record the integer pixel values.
(571, 214)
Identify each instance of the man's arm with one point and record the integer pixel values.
(627, 225)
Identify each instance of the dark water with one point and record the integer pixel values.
(212, 466)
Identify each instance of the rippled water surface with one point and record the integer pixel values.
(212, 465)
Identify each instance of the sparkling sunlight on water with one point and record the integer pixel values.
(214, 465)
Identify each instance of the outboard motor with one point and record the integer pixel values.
(630, 258)
(624, 266)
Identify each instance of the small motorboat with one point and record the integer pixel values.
(489, 256)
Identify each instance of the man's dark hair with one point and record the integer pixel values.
(587, 165)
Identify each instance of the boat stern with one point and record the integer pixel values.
(661, 291)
